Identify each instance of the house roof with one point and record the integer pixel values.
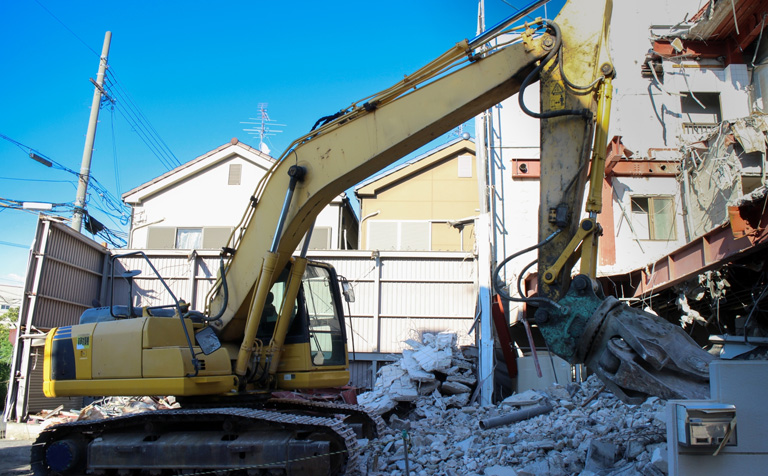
(412, 167)
(195, 166)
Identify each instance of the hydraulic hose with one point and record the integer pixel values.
(537, 300)
(585, 113)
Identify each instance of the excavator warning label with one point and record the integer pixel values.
(557, 97)
(83, 342)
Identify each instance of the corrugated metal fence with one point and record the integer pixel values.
(399, 296)
(64, 276)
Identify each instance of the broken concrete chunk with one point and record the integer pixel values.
(456, 401)
(557, 392)
(377, 403)
(415, 372)
(453, 388)
(500, 471)
(433, 359)
(601, 455)
(445, 340)
(529, 397)
(426, 388)
(466, 379)
(659, 459)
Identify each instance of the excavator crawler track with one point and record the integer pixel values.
(371, 425)
(209, 441)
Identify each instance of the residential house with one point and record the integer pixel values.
(198, 204)
(426, 204)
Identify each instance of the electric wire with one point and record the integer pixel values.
(111, 206)
(67, 28)
(38, 180)
(140, 122)
(114, 150)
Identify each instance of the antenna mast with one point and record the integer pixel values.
(264, 129)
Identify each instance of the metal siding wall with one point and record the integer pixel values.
(363, 330)
(148, 289)
(70, 278)
(394, 331)
(74, 250)
(360, 374)
(50, 314)
(418, 293)
(411, 299)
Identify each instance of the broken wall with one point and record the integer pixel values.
(720, 170)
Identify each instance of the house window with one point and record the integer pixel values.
(654, 218)
(701, 113)
(399, 235)
(189, 238)
(171, 237)
(235, 174)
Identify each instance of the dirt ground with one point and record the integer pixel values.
(14, 457)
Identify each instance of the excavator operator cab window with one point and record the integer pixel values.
(323, 305)
(272, 308)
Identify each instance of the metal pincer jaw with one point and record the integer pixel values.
(637, 354)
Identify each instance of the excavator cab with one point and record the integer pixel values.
(314, 354)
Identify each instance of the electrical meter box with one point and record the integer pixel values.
(702, 427)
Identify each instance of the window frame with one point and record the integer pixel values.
(651, 216)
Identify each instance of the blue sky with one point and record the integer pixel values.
(196, 70)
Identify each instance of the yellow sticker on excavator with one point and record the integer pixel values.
(557, 97)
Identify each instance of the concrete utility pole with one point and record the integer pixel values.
(85, 167)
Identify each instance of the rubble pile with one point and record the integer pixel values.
(104, 408)
(581, 429)
(432, 372)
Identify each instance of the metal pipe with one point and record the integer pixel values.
(297, 175)
(496, 29)
(516, 416)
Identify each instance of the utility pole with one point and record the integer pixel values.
(85, 167)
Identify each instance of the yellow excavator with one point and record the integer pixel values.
(275, 321)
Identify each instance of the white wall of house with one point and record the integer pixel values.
(635, 245)
(211, 194)
(198, 195)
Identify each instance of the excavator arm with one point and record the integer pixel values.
(356, 143)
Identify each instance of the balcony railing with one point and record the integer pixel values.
(693, 131)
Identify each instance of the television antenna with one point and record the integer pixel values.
(265, 127)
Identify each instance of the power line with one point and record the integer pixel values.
(66, 27)
(17, 245)
(112, 207)
(141, 124)
(37, 180)
(36, 155)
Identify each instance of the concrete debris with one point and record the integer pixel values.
(589, 432)
(432, 374)
(529, 397)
